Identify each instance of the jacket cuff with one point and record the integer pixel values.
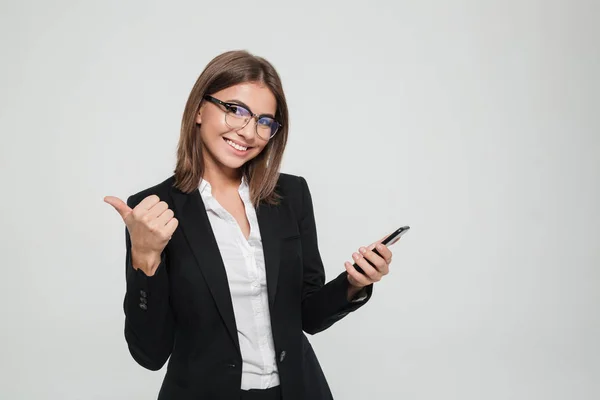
(143, 289)
(346, 306)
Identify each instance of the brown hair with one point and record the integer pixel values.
(226, 70)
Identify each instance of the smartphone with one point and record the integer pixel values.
(388, 241)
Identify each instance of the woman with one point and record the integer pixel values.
(223, 268)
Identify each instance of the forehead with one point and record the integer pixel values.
(256, 96)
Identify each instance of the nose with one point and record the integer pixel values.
(248, 132)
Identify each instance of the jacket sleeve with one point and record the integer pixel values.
(149, 324)
(322, 304)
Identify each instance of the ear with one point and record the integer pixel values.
(199, 113)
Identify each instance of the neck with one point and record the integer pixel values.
(222, 179)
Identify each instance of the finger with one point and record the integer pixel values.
(355, 276)
(122, 208)
(148, 203)
(171, 226)
(377, 249)
(370, 271)
(384, 252)
(165, 217)
(375, 259)
(157, 210)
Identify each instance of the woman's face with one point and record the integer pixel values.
(227, 147)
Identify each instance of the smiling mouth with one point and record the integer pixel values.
(236, 146)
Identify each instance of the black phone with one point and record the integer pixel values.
(388, 241)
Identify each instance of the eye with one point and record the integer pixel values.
(266, 122)
(237, 110)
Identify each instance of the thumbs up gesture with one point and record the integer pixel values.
(150, 224)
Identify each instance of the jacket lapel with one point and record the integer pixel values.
(191, 213)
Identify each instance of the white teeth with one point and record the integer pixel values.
(236, 146)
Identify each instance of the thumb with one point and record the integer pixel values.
(122, 208)
(372, 245)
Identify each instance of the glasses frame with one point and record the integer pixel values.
(253, 116)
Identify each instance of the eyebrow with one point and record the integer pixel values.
(241, 103)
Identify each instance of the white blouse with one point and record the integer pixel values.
(245, 266)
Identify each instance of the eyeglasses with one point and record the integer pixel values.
(238, 116)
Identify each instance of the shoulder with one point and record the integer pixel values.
(291, 185)
(294, 191)
(162, 190)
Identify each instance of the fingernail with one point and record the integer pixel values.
(362, 250)
(355, 256)
(379, 246)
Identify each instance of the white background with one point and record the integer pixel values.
(475, 122)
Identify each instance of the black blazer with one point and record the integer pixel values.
(185, 311)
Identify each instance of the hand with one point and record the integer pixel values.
(372, 274)
(150, 224)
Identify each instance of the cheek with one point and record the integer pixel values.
(212, 128)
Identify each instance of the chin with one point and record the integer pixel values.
(235, 162)
(233, 165)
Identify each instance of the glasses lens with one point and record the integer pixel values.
(266, 127)
(236, 116)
